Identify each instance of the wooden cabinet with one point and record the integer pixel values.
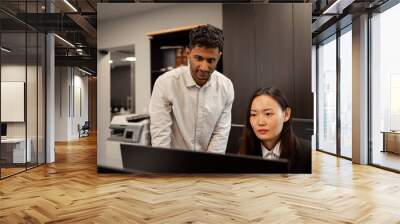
(164, 49)
(391, 141)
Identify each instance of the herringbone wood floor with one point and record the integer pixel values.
(71, 191)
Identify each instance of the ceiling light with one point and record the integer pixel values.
(64, 40)
(86, 72)
(130, 59)
(70, 5)
(5, 50)
(78, 50)
(110, 61)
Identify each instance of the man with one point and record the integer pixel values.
(190, 107)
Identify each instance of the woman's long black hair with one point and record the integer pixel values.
(289, 142)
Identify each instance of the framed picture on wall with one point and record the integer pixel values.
(12, 101)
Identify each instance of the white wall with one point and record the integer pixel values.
(132, 30)
(14, 72)
(66, 121)
(103, 106)
(62, 81)
(80, 82)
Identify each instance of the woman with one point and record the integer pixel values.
(268, 132)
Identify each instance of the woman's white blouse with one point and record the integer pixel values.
(275, 153)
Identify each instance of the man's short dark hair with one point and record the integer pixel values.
(207, 36)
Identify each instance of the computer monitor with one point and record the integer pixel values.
(3, 129)
(146, 159)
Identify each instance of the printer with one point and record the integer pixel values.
(131, 129)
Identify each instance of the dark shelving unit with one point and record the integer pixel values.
(164, 52)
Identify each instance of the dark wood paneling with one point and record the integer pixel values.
(274, 47)
(269, 45)
(239, 56)
(303, 98)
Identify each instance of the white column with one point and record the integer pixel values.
(360, 90)
(314, 91)
(103, 105)
(50, 98)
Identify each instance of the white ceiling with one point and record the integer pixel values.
(109, 11)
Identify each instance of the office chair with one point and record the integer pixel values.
(84, 130)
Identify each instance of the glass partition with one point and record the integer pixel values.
(14, 153)
(41, 97)
(23, 89)
(327, 95)
(346, 92)
(385, 89)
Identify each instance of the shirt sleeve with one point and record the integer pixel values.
(160, 115)
(219, 137)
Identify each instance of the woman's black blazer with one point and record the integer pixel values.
(302, 162)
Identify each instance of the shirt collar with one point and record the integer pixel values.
(276, 151)
(189, 81)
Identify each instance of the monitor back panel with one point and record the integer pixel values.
(145, 159)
